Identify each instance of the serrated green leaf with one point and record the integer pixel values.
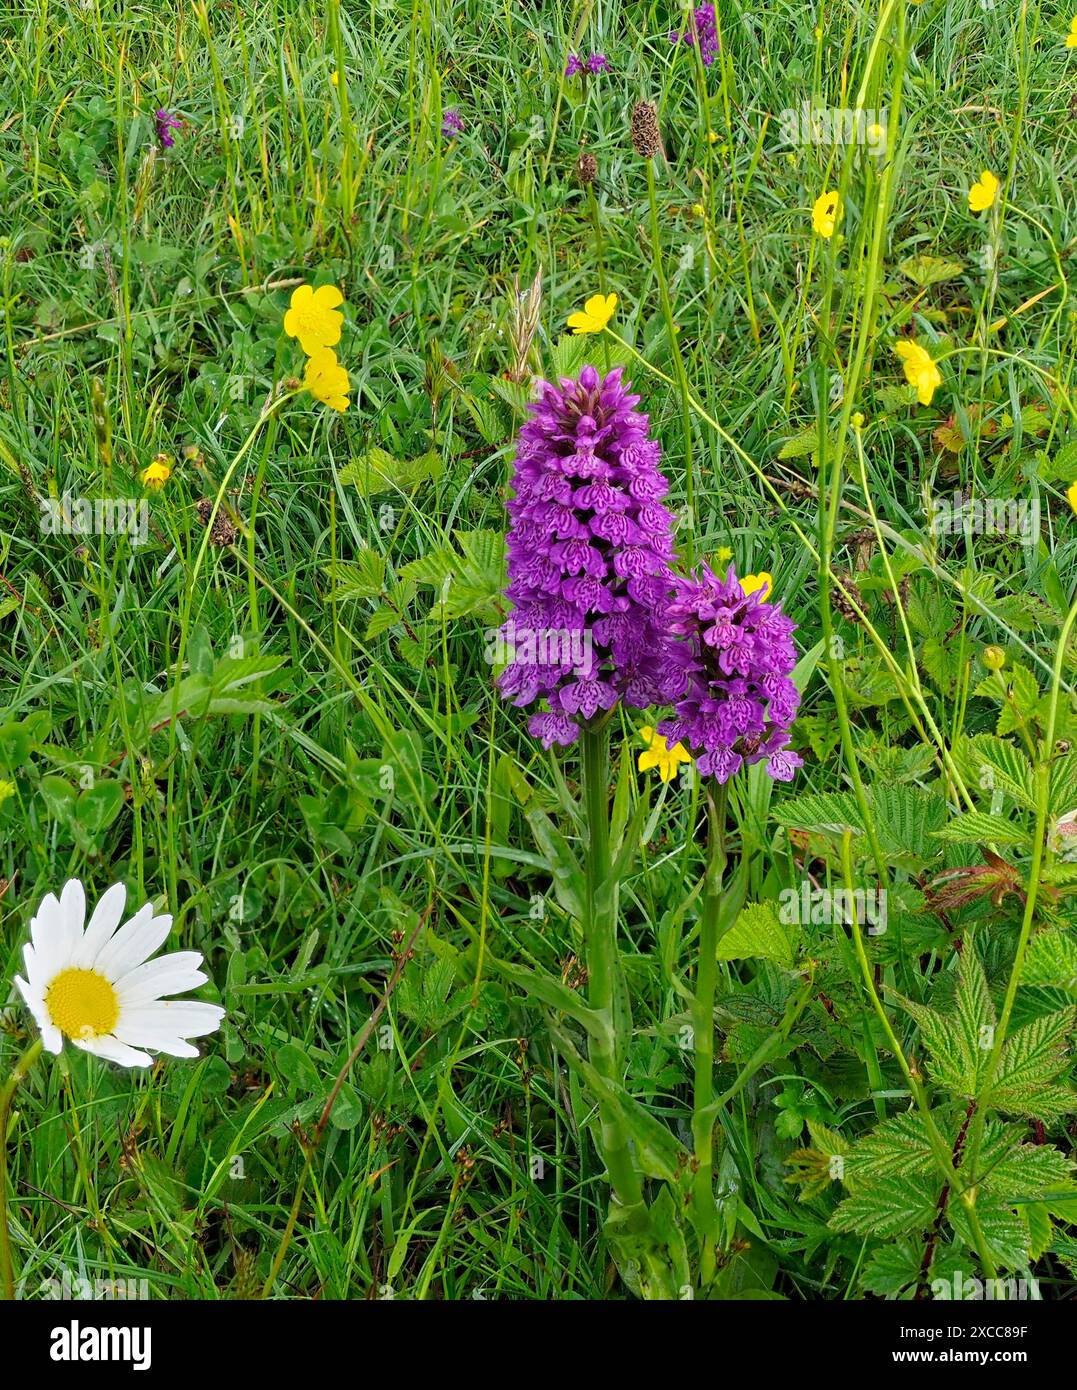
(758, 933)
(893, 1206)
(1031, 1059)
(980, 828)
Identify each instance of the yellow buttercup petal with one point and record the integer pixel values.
(327, 297)
(751, 582)
(825, 212)
(658, 754)
(326, 380)
(1071, 491)
(596, 313)
(313, 317)
(920, 369)
(983, 193)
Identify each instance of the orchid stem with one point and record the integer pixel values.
(705, 1212)
(606, 989)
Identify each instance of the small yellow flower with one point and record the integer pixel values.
(658, 755)
(750, 582)
(857, 420)
(156, 474)
(326, 379)
(723, 555)
(920, 369)
(1071, 37)
(335, 79)
(983, 192)
(313, 317)
(825, 212)
(1071, 494)
(596, 313)
(712, 136)
(698, 210)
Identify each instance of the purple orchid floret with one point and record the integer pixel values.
(703, 27)
(452, 122)
(166, 123)
(589, 548)
(597, 62)
(741, 702)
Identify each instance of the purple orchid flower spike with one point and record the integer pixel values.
(588, 561)
(741, 702)
(166, 123)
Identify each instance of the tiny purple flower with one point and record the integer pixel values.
(573, 67)
(598, 62)
(166, 123)
(451, 121)
(703, 27)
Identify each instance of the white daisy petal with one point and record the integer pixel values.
(185, 1018)
(73, 911)
(165, 975)
(133, 943)
(29, 956)
(112, 1050)
(46, 933)
(159, 1041)
(107, 916)
(51, 1036)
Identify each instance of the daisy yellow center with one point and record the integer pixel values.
(82, 1004)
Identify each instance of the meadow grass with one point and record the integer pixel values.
(336, 818)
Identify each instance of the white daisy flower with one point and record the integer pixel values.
(99, 987)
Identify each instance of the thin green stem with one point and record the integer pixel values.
(1043, 790)
(606, 990)
(678, 362)
(705, 1211)
(21, 1067)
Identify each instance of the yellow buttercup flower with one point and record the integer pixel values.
(983, 192)
(155, 475)
(326, 379)
(723, 554)
(920, 369)
(1071, 491)
(596, 313)
(1071, 37)
(750, 582)
(335, 79)
(313, 317)
(824, 213)
(658, 754)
